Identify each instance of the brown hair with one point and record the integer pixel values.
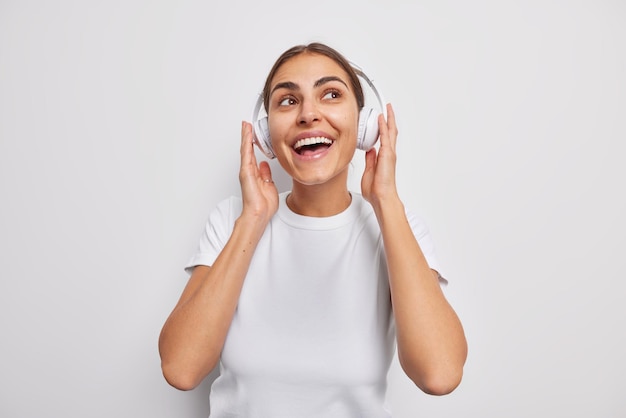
(315, 48)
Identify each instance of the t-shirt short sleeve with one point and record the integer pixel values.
(424, 239)
(216, 233)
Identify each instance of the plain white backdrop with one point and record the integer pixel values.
(119, 131)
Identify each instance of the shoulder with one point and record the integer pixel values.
(418, 224)
(223, 215)
(228, 206)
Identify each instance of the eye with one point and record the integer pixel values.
(286, 101)
(332, 94)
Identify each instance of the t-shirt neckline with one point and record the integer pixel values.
(293, 219)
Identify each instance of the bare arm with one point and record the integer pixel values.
(192, 338)
(431, 343)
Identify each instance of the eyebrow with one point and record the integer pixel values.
(290, 85)
(328, 79)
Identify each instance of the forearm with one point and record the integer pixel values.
(193, 336)
(431, 343)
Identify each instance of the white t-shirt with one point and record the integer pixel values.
(313, 334)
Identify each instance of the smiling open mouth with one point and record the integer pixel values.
(313, 145)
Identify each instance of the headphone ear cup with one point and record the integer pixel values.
(368, 129)
(262, 137)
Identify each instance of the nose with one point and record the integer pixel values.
(308, 113)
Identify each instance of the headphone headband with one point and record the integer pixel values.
(361, 74)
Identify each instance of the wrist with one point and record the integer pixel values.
(388, 209)
(252, 224)
(387, 204)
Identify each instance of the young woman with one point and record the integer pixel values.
(303, 296)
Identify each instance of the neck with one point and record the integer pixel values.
(320, 200)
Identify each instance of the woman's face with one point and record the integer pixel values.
(313, 118)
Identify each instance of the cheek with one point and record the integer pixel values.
(279, 135)
(348, 121)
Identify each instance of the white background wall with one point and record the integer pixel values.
(119, 131)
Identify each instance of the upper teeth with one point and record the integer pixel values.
(312, 141)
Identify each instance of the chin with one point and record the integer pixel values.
(317, 171)
(321, 178)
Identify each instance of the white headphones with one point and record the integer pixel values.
(367, 134)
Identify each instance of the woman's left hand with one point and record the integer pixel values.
(379, 178)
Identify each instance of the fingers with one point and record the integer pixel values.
(247, 154)
(265, 172)
(388, 129)
(368, 174)
(390, 113)
(370, 159)
(246, 140)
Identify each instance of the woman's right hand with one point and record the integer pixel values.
(259, 193)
